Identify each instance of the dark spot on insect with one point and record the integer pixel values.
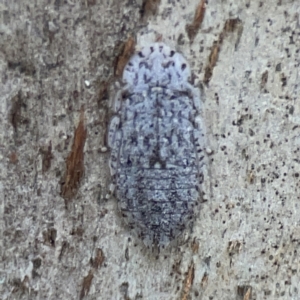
(147, 79)
(183, 66)
(172, 53)
(143, 64)
(129, 162)
(140, 54)
(152, 49)
(167, 65)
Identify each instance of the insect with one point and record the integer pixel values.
(157, 145)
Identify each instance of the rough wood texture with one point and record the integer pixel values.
(58, 56)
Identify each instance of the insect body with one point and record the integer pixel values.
(157, 143)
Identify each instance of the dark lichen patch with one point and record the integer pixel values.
(283, 80)
(263, 82)
(126, 51)
(46, 157)
(212, 60)
(149, 7)
(75, 162)
(231, 25)
(124, 290)
(188, 282)
(49, 236)
(244, 292)
(16, 117)
(86, 284)
(25, 67)
(98, 260)
(193, 28)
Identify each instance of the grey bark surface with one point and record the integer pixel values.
(57, 64)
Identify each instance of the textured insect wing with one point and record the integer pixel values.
(157, 145)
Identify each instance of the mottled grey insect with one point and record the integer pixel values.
(156, 140)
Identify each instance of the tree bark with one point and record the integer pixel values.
(60, 238)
